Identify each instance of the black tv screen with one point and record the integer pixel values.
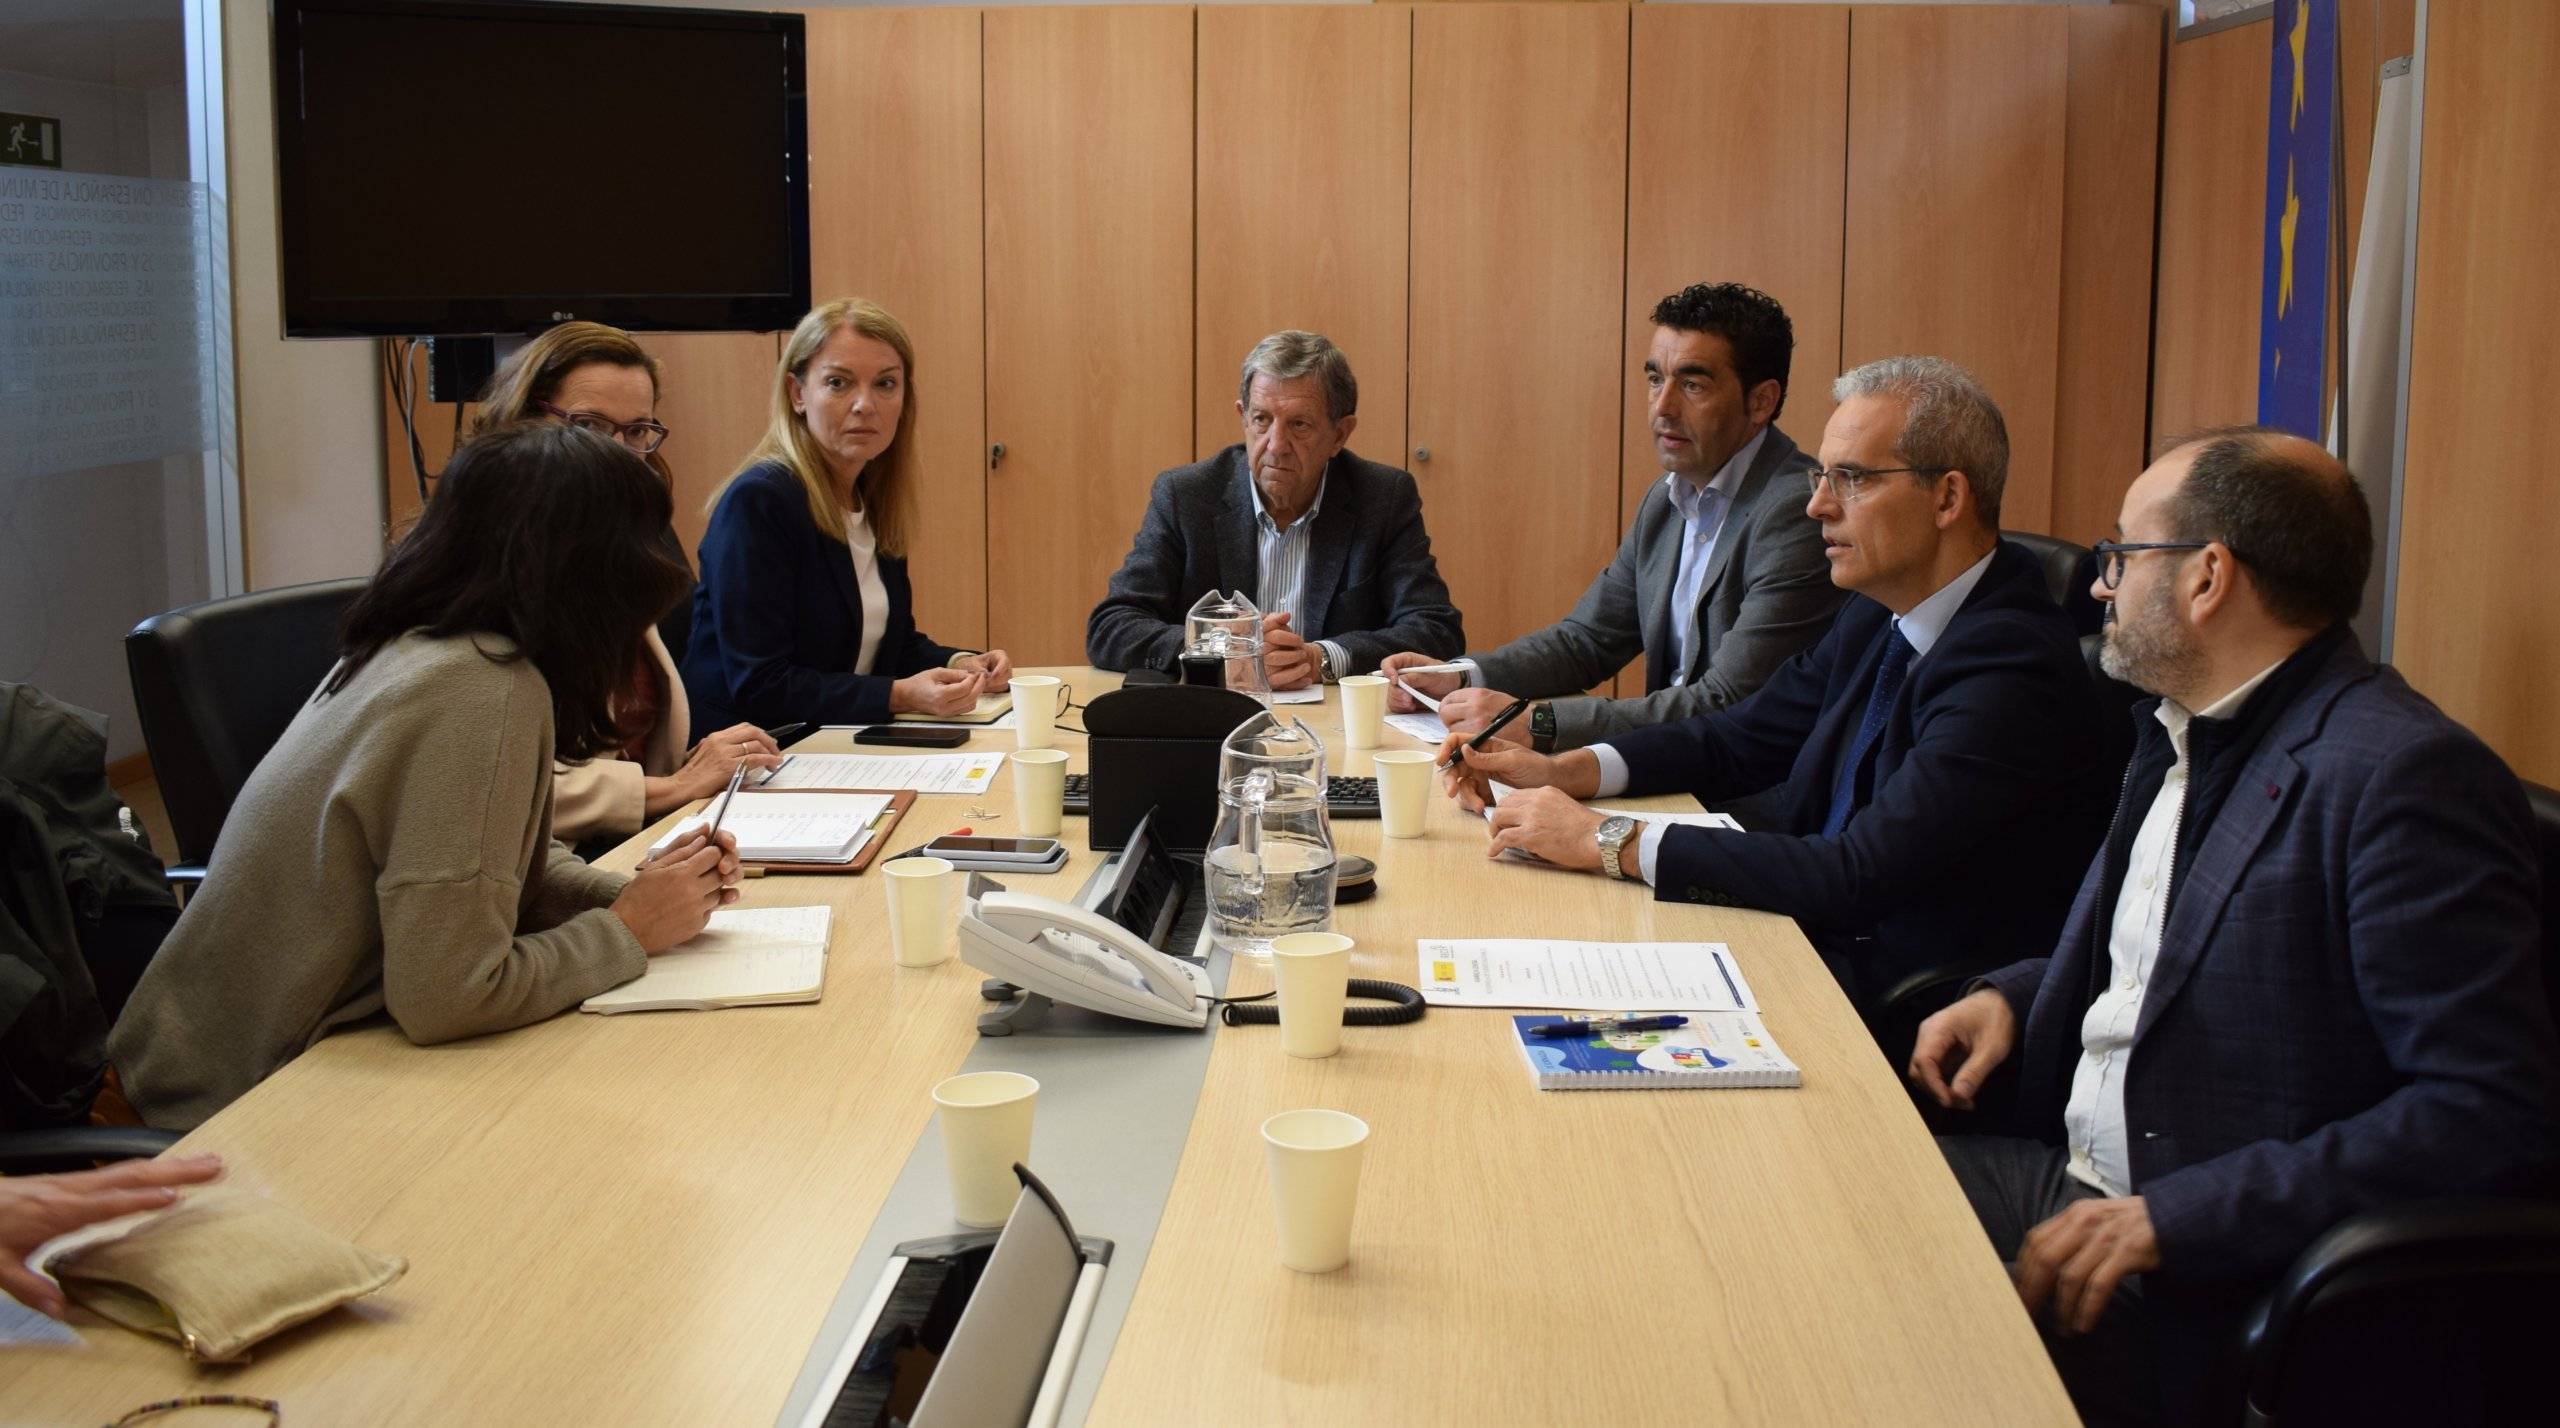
(462, 168)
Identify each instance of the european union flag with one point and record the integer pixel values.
(2293, 316)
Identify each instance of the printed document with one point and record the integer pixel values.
(925, 773)
(1583, 976)
(792, 827)
(1426, 727)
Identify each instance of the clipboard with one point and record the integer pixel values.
(900, 800)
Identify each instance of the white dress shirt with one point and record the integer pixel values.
(2093, 1120)
(1283, 553)
(1921, 625)
(865, 549)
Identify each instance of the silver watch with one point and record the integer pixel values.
(1614, 834)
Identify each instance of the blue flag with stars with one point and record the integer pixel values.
(2293, 312)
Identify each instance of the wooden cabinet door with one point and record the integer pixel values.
(1957, 116)
(1518, 274)
(1303, 199)
(896, 215)
(1088, 302)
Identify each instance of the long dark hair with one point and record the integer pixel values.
(553, 538)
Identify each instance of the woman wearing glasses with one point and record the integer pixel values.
(596, 378)
(804, 611)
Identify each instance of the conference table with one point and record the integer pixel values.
(645, 1218)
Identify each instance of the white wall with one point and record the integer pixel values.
(311, 464)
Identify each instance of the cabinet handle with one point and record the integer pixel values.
(1422, 453)
(995, 456)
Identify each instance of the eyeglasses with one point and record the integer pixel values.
(641, 436)
(2111, 554)
(1849, 482)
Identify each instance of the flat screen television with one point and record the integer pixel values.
(498, 166)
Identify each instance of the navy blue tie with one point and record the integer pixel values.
(1889, 672)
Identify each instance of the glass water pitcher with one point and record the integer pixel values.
(1222, 645)
(1270, 862)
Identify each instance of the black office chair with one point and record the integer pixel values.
(215, 685)
(2068, 571)
(2437, 1312)
(56, 1148)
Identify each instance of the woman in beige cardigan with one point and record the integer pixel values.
(392, 855)
(597, 379)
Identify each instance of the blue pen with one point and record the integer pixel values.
(1604, 1025)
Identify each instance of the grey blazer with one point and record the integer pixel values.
(1371, 584)
(1768, 595)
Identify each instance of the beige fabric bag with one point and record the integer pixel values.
(220, 1271)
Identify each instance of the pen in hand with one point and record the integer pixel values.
(1478, 742)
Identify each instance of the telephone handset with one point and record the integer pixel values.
(1080, 958)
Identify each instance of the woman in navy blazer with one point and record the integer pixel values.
(804, 611)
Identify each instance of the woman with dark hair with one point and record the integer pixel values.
(600, 379)
(392, 854)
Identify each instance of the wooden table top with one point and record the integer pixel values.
(644, 1218)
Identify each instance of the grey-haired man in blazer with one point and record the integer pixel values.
(1720, 579)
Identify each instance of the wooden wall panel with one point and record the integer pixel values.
(1736, 183)
(712, 392)
(2110, 173)
(1519, 280)
(896, 210)
(1089, 301)
(2213, 195)
(1955, 204)
(1303, 200)
(2475, 627)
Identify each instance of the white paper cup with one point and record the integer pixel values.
(1404, 789)
(921, 916)
(1364, 703)
(1038, 700)
(986, 1129)
(1315, 1180)
(1040, 791)
(1313, 969)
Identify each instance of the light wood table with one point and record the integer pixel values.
(643, 1218)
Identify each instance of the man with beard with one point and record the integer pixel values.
(2300, 979)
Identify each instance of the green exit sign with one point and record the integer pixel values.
(30, 139)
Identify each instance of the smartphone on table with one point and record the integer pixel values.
(904, 736)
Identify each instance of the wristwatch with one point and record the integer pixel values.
(1615, 833)
(1542, 727)
(1324, 662)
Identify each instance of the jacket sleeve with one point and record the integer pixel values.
(1419, 616)
(598, 796)
(1138, 625)
(756, 582)
(2440, 891)
(1985, 753)
(1738, 751)
(1604, 631)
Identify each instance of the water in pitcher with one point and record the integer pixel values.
(1291, 892)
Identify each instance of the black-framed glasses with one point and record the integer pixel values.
(641, 436)
(1850, 482)
(2111, 554)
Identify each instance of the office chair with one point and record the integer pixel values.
(215, 685)
(2068, 571)
(2437, 1312)
(56, 1148)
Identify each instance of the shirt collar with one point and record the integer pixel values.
(1690, 500)
(2174, 716)
(1929, 619)
(1262, 512)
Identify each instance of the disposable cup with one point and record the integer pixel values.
(986, 1130)
(1038, 700)
(1313, 969)
(1364, 703)
(921, 910)
(1040, 791)
(1404, 790)
(1315, 1181)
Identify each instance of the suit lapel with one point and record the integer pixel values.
(1328, 549)
(1775, 451)
(837, 557)
(1239, 555)
(1659, 571)
(2248, 813)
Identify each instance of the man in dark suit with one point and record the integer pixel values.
(1719, 579)
(1935, 757)
(2299, 981)
(1331, 546)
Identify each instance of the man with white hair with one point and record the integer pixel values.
(1936, 756)
(1331, 547)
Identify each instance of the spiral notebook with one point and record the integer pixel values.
(1715, 1049)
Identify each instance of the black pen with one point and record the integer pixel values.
(1602, 1025)
(737, 776)
(784, 733)
(1477, 743)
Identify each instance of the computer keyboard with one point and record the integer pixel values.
(1345, 796)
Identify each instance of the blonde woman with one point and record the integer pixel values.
(596, 378)
(804, 612)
